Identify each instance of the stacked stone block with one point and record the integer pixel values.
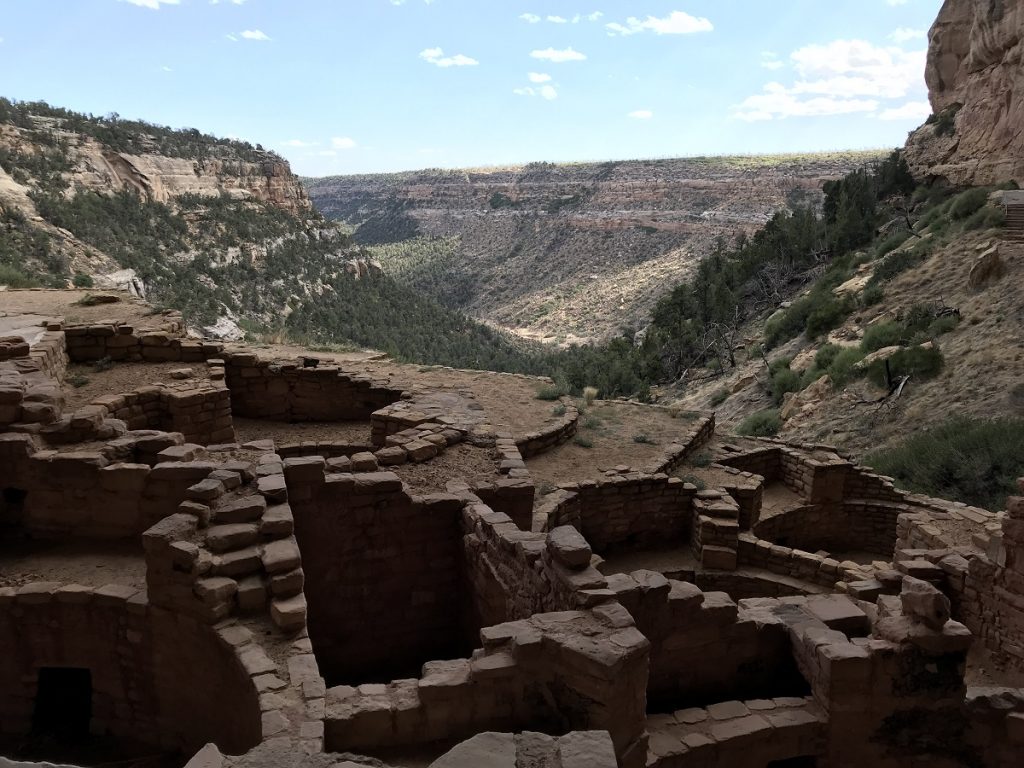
(716, 528)
(285, 391)
(626, 512)
(551, 435)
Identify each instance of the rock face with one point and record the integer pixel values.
(974, 70)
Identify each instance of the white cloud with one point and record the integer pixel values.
(641, 114)
(538, 77)
(162, 69)
(558, 56)
(770, 60)
(152, 4)
(676, 23)
(530, 18)
(558, 20)
(595, 16)
(232, 38)
(548, 92)
(904, 34)
(912, 110)
(343, 142)
(255, 34)
(436, 57)
(227, 2)
(777, 102)
(298, 143)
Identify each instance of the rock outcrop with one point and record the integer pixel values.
(976, 87)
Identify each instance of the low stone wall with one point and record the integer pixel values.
(552, 434)
(160, 342)
(836, 527)
(513, 492)
(549, 673)
(786, 561)
(113, 493)
(738, 734)
(626, 512)
(157, 678)
(30, 382)
(285, 391)
(702, 648)
(683, 448)
(993, 598)
(514, 574)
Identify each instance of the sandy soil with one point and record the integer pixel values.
(351, 432)
(674, 559)
(90, 563)
(50, 304)
(120, 378)
(778, 498)
(612, 428)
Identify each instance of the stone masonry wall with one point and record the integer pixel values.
(157, 678)
(114, 493)
(549, 673)
(288, 392)
(626, 512)
(376, 558)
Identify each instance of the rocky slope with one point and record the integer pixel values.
(567, 253)
(976, 87)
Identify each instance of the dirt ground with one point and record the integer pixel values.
(118, 379)
(459, 462)
(50, 304)
(619, 434)
(89, 563)
(350, 432)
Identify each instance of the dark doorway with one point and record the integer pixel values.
(12, 504)
(63, 704)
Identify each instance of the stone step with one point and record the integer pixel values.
(233, 536)
(239, 509)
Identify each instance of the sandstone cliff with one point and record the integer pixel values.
(976, 86)
(568, 253)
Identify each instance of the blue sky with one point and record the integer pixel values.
(347, 86)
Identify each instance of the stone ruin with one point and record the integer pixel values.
(298, 604)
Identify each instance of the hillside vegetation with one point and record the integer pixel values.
(226, 255)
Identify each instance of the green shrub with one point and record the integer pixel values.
(77, 380)
(779, 364)
(899, 262)
(891, 243)
(917, 362)
(783, 382)
(13, 277)
(583, 442)
(943, 325)
(970, 460)
(644, 439)
(988, 217)
(762, 424)
(872, 295)
(810, 376)
(592, 422)
(697, 482)
(843, 368)
(719, 397)
(825, 355)
(879, 335)
(968, 202)
(81, 280)
(828, 314)
(558, 410)
(103, 364)
(702, 459)
(551, 392)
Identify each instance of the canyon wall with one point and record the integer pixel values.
(573, 252)
(976, 87)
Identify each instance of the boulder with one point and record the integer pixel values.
(924, 603)
(987, 269)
